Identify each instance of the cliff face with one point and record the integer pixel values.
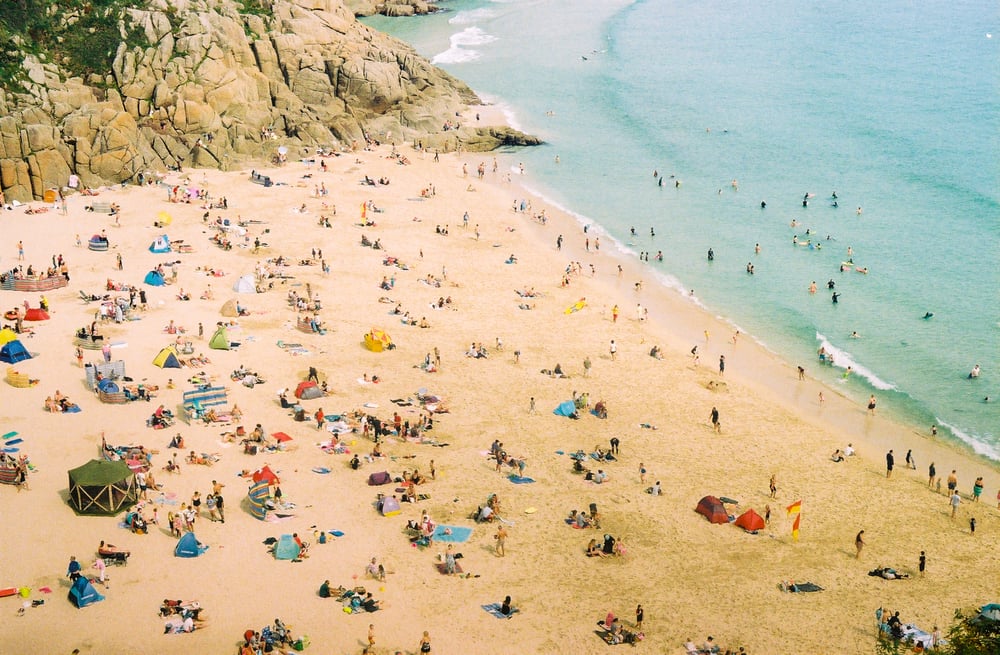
(212, 87)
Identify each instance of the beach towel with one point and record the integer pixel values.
(517, 479)
(336, 533)
(494, 609)
(322, 470)
(452, 533)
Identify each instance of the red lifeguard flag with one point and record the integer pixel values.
(795, 509)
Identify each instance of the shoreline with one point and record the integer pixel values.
(670, 548)
(781, 381)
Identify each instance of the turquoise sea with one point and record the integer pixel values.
(893, 106)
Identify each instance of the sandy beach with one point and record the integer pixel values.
(692, 578)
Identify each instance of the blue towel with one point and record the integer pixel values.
(322, 470)
(13, 442)
(11, 450)
(517, 479)
(494, 609)
(336, 533)
(457, 534)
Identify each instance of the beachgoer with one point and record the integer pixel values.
(501, 539)
(955, 501)
(859, 543)
(890, 460)
(922, 563)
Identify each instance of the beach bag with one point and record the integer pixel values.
(301, 643)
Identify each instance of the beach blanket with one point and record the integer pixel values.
(452, 533)
(322, 470)
(517, 479)
(803, 587)
(494, 609)
(14, 442)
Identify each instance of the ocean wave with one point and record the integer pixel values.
(509, 115)
(471, 17)
(842, 359)
(460, 49)
(979, 445)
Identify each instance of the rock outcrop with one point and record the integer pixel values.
(214, 87)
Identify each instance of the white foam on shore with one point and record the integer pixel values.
(460, 50)
(842, 359)
(509, 115)
(979, 446)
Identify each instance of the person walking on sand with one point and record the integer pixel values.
(613, 349)
(890, 461)
(871, 405)
(371, 637)
(320, 418)
(774, 485)
(922, 563)
(722, 364)
(586, 366)
(614, 314)
(501, 539)
(639, 614)
(425, 643)
(931, 474)
(714, 416)
(956, 500)
(910, 462)
(859, 543)
(531, 405)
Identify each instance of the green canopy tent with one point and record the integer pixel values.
(102, 487)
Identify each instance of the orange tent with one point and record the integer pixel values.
(712, 509)
(750, 521)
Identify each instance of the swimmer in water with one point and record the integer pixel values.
(855, 335)
(711, 255)
(974, 373)
(756, 249)
(928, 315)
(831, 284)
(835, 297)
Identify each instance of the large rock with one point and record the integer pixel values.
(309, 72)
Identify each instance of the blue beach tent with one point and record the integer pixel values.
(82, 593)
(188, 546)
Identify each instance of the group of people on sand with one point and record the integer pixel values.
(611, 547)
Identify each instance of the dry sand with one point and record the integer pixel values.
(693, 578)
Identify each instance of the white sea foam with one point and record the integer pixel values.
(471, 17)
(843, 359)
(461, 46)
(980, 446)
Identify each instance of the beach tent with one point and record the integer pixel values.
(989, 612)
(163, 219)
(266, 474)
(7, 335)
(390, 506)
(712, 509)
(188, 546)
(82, 593)
(220, 340)
(102, 487)
(308, 390)
(257, 499)
(379, 478)
(245, 284)
(750, 521)
(108, 386)
(13, 352)
(161, 244)
(154, 279)
(565, 408)
(377, 340)
(229, 309)
(167, 358)
(286, 548)
(36, 314)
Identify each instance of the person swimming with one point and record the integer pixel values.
(974, 373)
(928, 315)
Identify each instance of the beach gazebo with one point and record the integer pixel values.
(102, 487)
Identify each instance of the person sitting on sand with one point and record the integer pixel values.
(655, 352)
(837, 456)
(594, 549)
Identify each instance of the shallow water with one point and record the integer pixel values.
(894, 110)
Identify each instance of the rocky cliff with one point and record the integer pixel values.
(198, 83)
